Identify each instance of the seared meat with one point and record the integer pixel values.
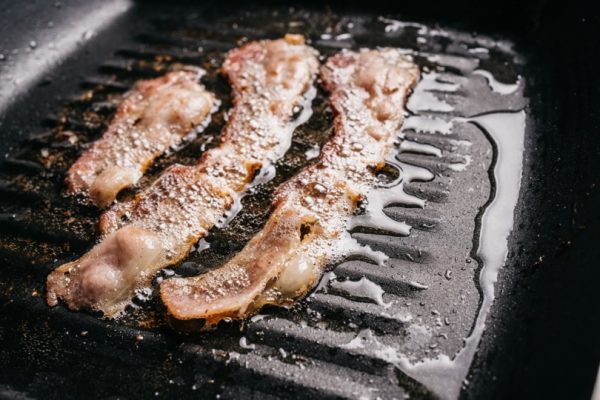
(311, 211)
(156, 115)
(158, 227)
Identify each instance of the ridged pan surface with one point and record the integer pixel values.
(346, 340)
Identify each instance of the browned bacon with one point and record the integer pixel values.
(311, 211)
(156, 115)
(158, 227)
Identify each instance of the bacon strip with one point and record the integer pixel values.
(311, 211)
(155, 115)
(160, 225)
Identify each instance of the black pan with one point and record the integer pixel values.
(543, 330)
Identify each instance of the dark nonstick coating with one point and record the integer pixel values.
(543, 335)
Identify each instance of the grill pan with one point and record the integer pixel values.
(544, 317)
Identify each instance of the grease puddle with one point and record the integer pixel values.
(408, 146)
(443, 375)
(422, 123)
(364, 288)
(374, 217)
(496, 86)
(424, 99)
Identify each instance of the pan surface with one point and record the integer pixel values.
(543, 325)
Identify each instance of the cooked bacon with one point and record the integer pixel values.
(155, 115)
(311, 211)
(159, 226)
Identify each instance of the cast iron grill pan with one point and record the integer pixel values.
(299, 353)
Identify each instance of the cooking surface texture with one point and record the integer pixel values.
(386, 322)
